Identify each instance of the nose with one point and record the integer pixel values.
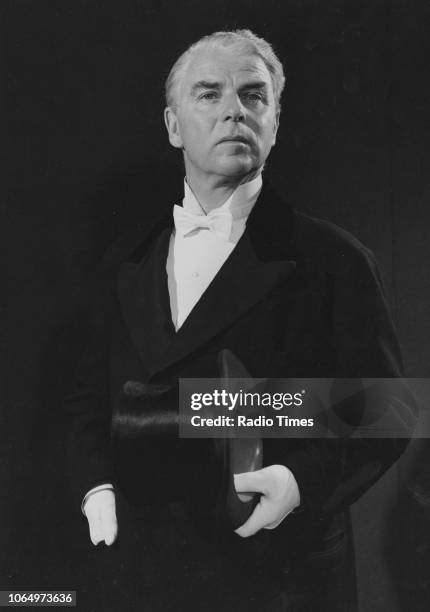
(232, 109)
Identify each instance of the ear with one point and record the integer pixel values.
(275, 126)
(172, 125)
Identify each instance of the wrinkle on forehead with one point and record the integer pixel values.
(220, 64)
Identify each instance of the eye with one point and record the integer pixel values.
(253, 97)
(208, 95)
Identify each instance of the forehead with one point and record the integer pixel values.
(222, 64)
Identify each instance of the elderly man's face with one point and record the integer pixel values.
(226, 118)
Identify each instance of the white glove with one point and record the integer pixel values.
(280, 495)
(100, 512)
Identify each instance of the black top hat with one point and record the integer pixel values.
(155, 465)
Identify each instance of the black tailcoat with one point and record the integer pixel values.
(297, 297)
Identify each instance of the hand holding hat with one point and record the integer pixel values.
(279, 497)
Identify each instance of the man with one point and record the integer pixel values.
(290, 296)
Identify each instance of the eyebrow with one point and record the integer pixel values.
(216, 85)
(254, 85)
(205, 85)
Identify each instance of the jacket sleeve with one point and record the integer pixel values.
(87, 406)
(333, 473)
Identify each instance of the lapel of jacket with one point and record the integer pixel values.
(258, 264)
(144, 298)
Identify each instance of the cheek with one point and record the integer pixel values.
(198, 129)
(268, 124)
(268, 134)
(262, 124)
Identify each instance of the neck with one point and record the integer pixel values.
(213, 194)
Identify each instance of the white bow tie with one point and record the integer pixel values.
(218, 221)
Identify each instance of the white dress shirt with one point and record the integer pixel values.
(195, 258)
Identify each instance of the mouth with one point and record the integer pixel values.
(241, 139)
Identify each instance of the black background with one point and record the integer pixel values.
(85, 155)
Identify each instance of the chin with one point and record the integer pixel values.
(236, 167)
